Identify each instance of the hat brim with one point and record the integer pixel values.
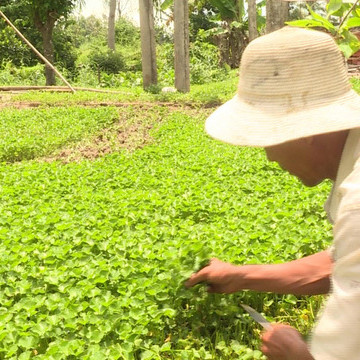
(237, 122)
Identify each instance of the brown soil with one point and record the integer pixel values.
(129, 133)
(6, 103)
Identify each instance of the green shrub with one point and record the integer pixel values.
(122, 79)
(204, 63)
(165, 63)
(109, 61)
(86, 76)
(12, 48)
(132, 57)
(13, 75)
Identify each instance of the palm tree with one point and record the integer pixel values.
(148, 44)
(277, 12)
(181, 45)
(111, 25)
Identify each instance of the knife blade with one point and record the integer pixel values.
(257, 317)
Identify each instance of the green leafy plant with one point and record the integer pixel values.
(109, 61)
(25, 75)
(204, 62)
(339, 20)
(95, 253)
(33, 133)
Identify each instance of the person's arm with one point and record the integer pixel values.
(307, 276)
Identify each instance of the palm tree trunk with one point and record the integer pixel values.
(181, 42)
(277, 12)
(111, 25)
(148, 44)
(252, 20)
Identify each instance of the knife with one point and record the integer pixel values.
(257, 317)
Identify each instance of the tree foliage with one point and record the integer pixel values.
(43, 14)
(340, 18)
(11, 47)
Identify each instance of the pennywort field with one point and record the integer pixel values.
(95, 250)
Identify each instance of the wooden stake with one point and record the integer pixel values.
(43, 58)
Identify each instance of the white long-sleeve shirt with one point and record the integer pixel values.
(337, 333)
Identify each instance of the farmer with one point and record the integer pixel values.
(294, 100)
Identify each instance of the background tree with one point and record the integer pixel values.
(148, 44)
(231, 36)
(121, 6)
(43, 14)
(181, 43)
(228, 24)
(12, 48)
(252, 19)
(277, 12)
(111, 24)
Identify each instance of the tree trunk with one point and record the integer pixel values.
(252, 20)
(148, 44)
(111, 25)
(46, 29)
(237, 43)
(49, 54)
(277, 12)
(181, 44)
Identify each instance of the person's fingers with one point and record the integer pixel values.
(203, 264)
(197, 278)
(264, 349)
(201, 275)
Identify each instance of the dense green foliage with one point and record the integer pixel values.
(12, 48)
(33, 133)
(29, 15)
(108, 61)
(25, 75)
(95, 253)
(340, 18)
(81, 52)
(218, 33)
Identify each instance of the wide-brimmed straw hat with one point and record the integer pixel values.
(293, 84)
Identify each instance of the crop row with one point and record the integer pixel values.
(95, 253)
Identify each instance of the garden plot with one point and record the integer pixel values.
(96, 251)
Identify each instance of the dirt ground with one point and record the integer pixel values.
(129, 132)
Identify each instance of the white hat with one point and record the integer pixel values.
(293, 84)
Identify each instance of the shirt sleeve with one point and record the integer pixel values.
(337, 334)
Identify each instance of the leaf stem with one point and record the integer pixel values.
(348, 13)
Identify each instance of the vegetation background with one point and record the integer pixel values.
(83, 50)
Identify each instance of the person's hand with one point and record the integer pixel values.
(283, 342)
(220, 277)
